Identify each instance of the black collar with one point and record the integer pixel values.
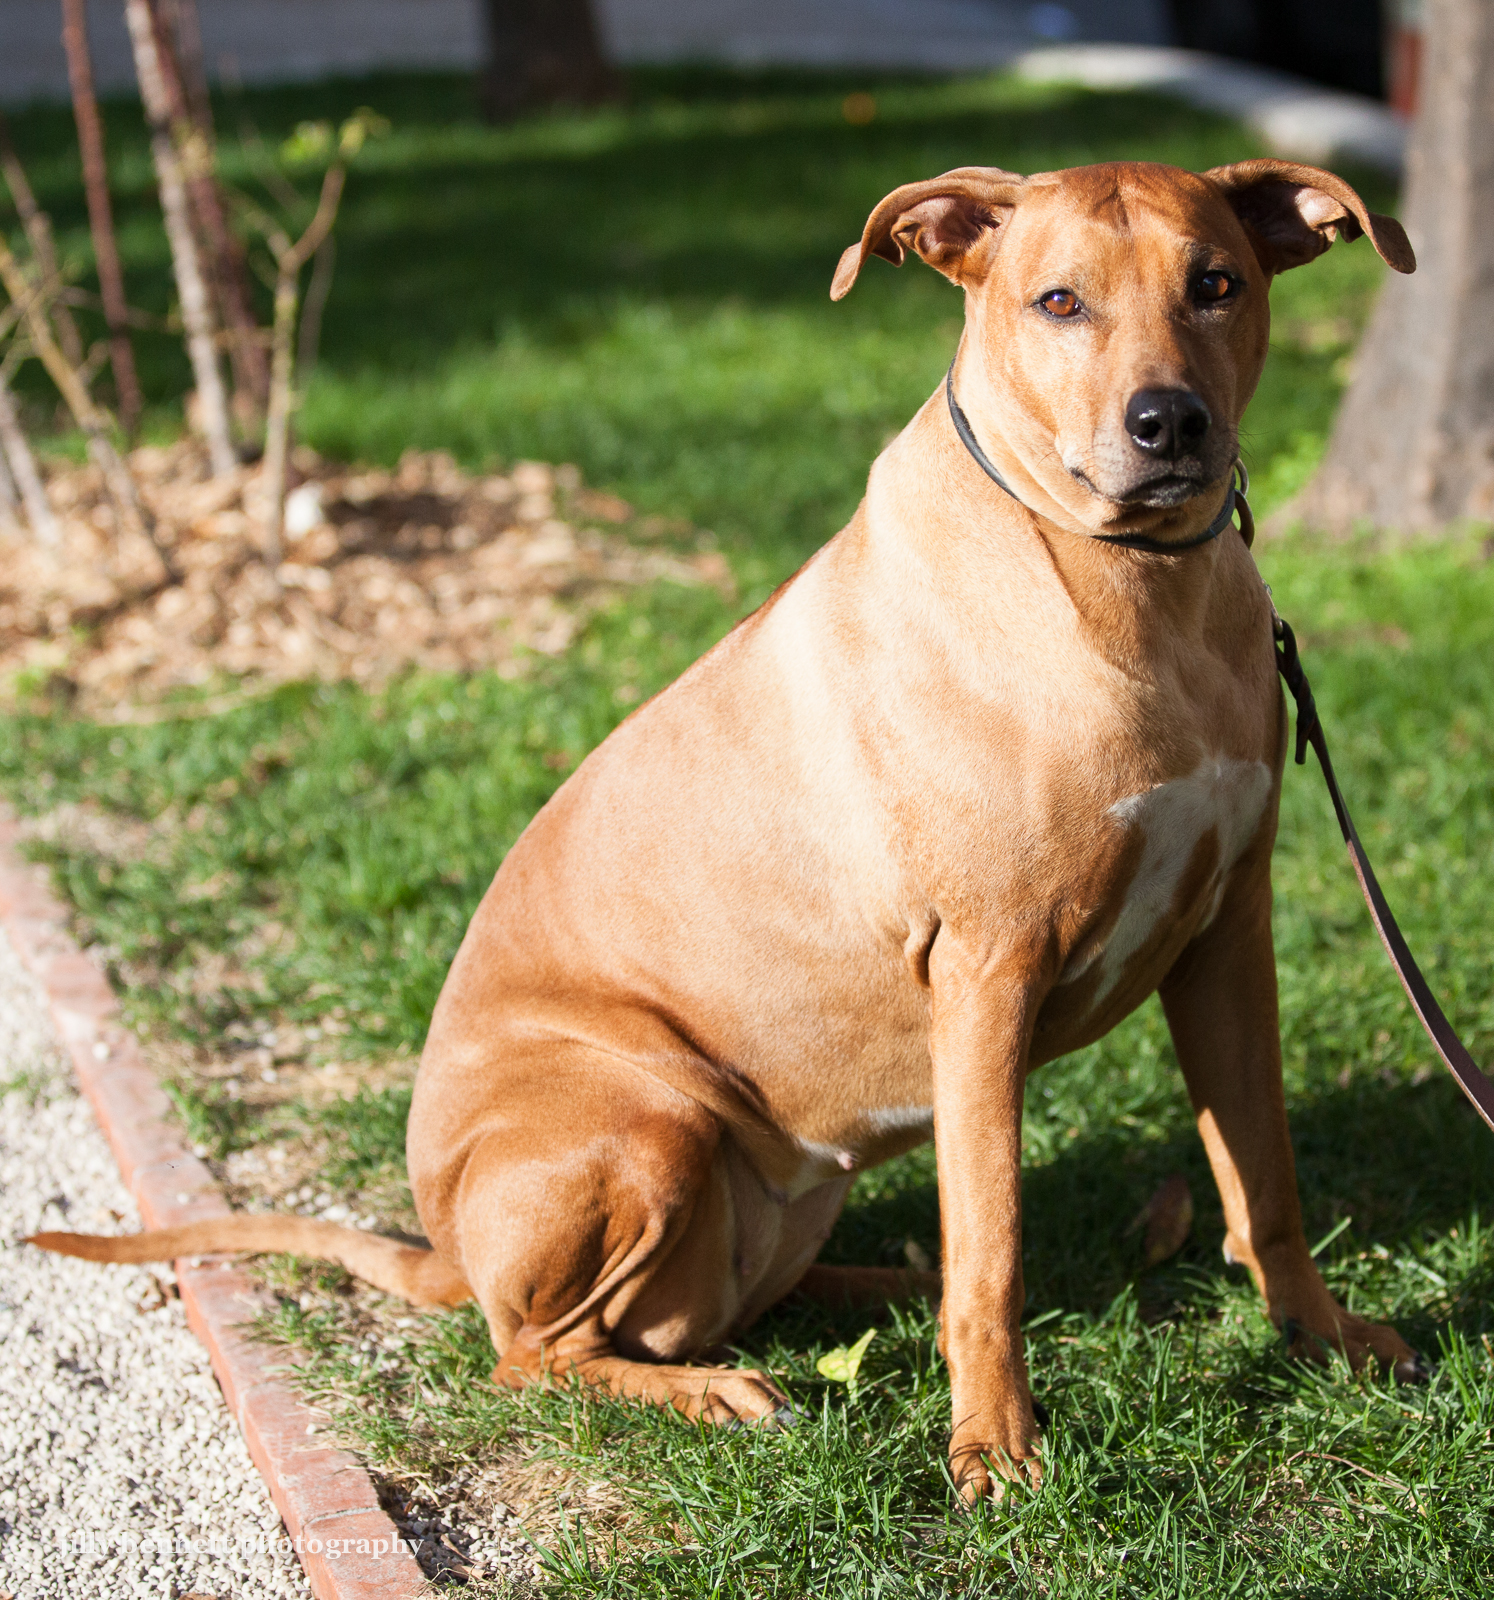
(1132, 541)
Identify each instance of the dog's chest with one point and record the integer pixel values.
(1208, 817)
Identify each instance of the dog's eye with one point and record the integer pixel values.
(1061, 303)
(1213, 287)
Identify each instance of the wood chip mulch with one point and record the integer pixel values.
(425, 566)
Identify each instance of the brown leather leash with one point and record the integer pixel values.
(1455, 1057)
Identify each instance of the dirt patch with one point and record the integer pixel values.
(87, 829)
(250, 1101)
(424, 566)
(488, 1520)
(478, 1491)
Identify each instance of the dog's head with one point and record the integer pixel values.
(1117, 316)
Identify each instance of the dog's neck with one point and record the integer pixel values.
(980, 540)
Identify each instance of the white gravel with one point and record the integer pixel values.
(122, 1473)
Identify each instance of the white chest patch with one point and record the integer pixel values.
(1223, 795)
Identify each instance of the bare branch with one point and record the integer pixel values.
(23, 470)
(196, 308)
(90, 417)
(289, 260)
(321, 224)
(186, 31)
(315, 303)
(192, 133)
(38, 228)
(10, 505)
(100, 213)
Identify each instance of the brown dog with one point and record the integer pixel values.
(954, 802)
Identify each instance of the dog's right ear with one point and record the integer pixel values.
(1293, 213)
(941, 219)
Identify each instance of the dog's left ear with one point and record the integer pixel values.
(940, 219)
(1293, 213)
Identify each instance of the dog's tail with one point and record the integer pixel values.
(415, 1274)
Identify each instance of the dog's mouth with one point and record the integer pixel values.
(1167, 490)
(1162, 493)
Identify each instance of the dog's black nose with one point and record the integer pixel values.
(1167, 422)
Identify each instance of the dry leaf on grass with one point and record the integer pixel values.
(842, 1364)
(1167, 1217)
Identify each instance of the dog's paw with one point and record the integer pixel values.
(994, 1475)
(991, 1472)
(1418, 1369)
(739, 1398)
(1360, 1343)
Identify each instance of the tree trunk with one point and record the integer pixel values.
(541, 53)
(1413, 447)
(100, 215)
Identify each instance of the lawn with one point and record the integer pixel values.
(643, 291)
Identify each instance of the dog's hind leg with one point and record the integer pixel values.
(868, 1286)
(593, 1215)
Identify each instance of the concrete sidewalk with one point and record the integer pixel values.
(1104, 46)
(248, 41)
(261, 41)
(1290, 115)
(931, 35)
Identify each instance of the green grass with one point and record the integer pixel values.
(1180, 1434)
(643, 291)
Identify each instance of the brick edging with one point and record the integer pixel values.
(324, 1496)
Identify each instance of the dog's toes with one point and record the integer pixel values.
(987, 1474)
(995, 1486)
(1415, 1368)
(1361, 1343)
(1369, 1341)
(778, 1421)
(746, 1399)
(974, 1480)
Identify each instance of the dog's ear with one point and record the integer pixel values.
(1293, 213)
(940, 218)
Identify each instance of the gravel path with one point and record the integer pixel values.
(121, 1472)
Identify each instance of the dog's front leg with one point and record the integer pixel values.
(1220, 1000)
(983, 1004)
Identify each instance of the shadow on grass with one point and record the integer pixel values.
(643, 289)
(706, 184)
(1407, 1162)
